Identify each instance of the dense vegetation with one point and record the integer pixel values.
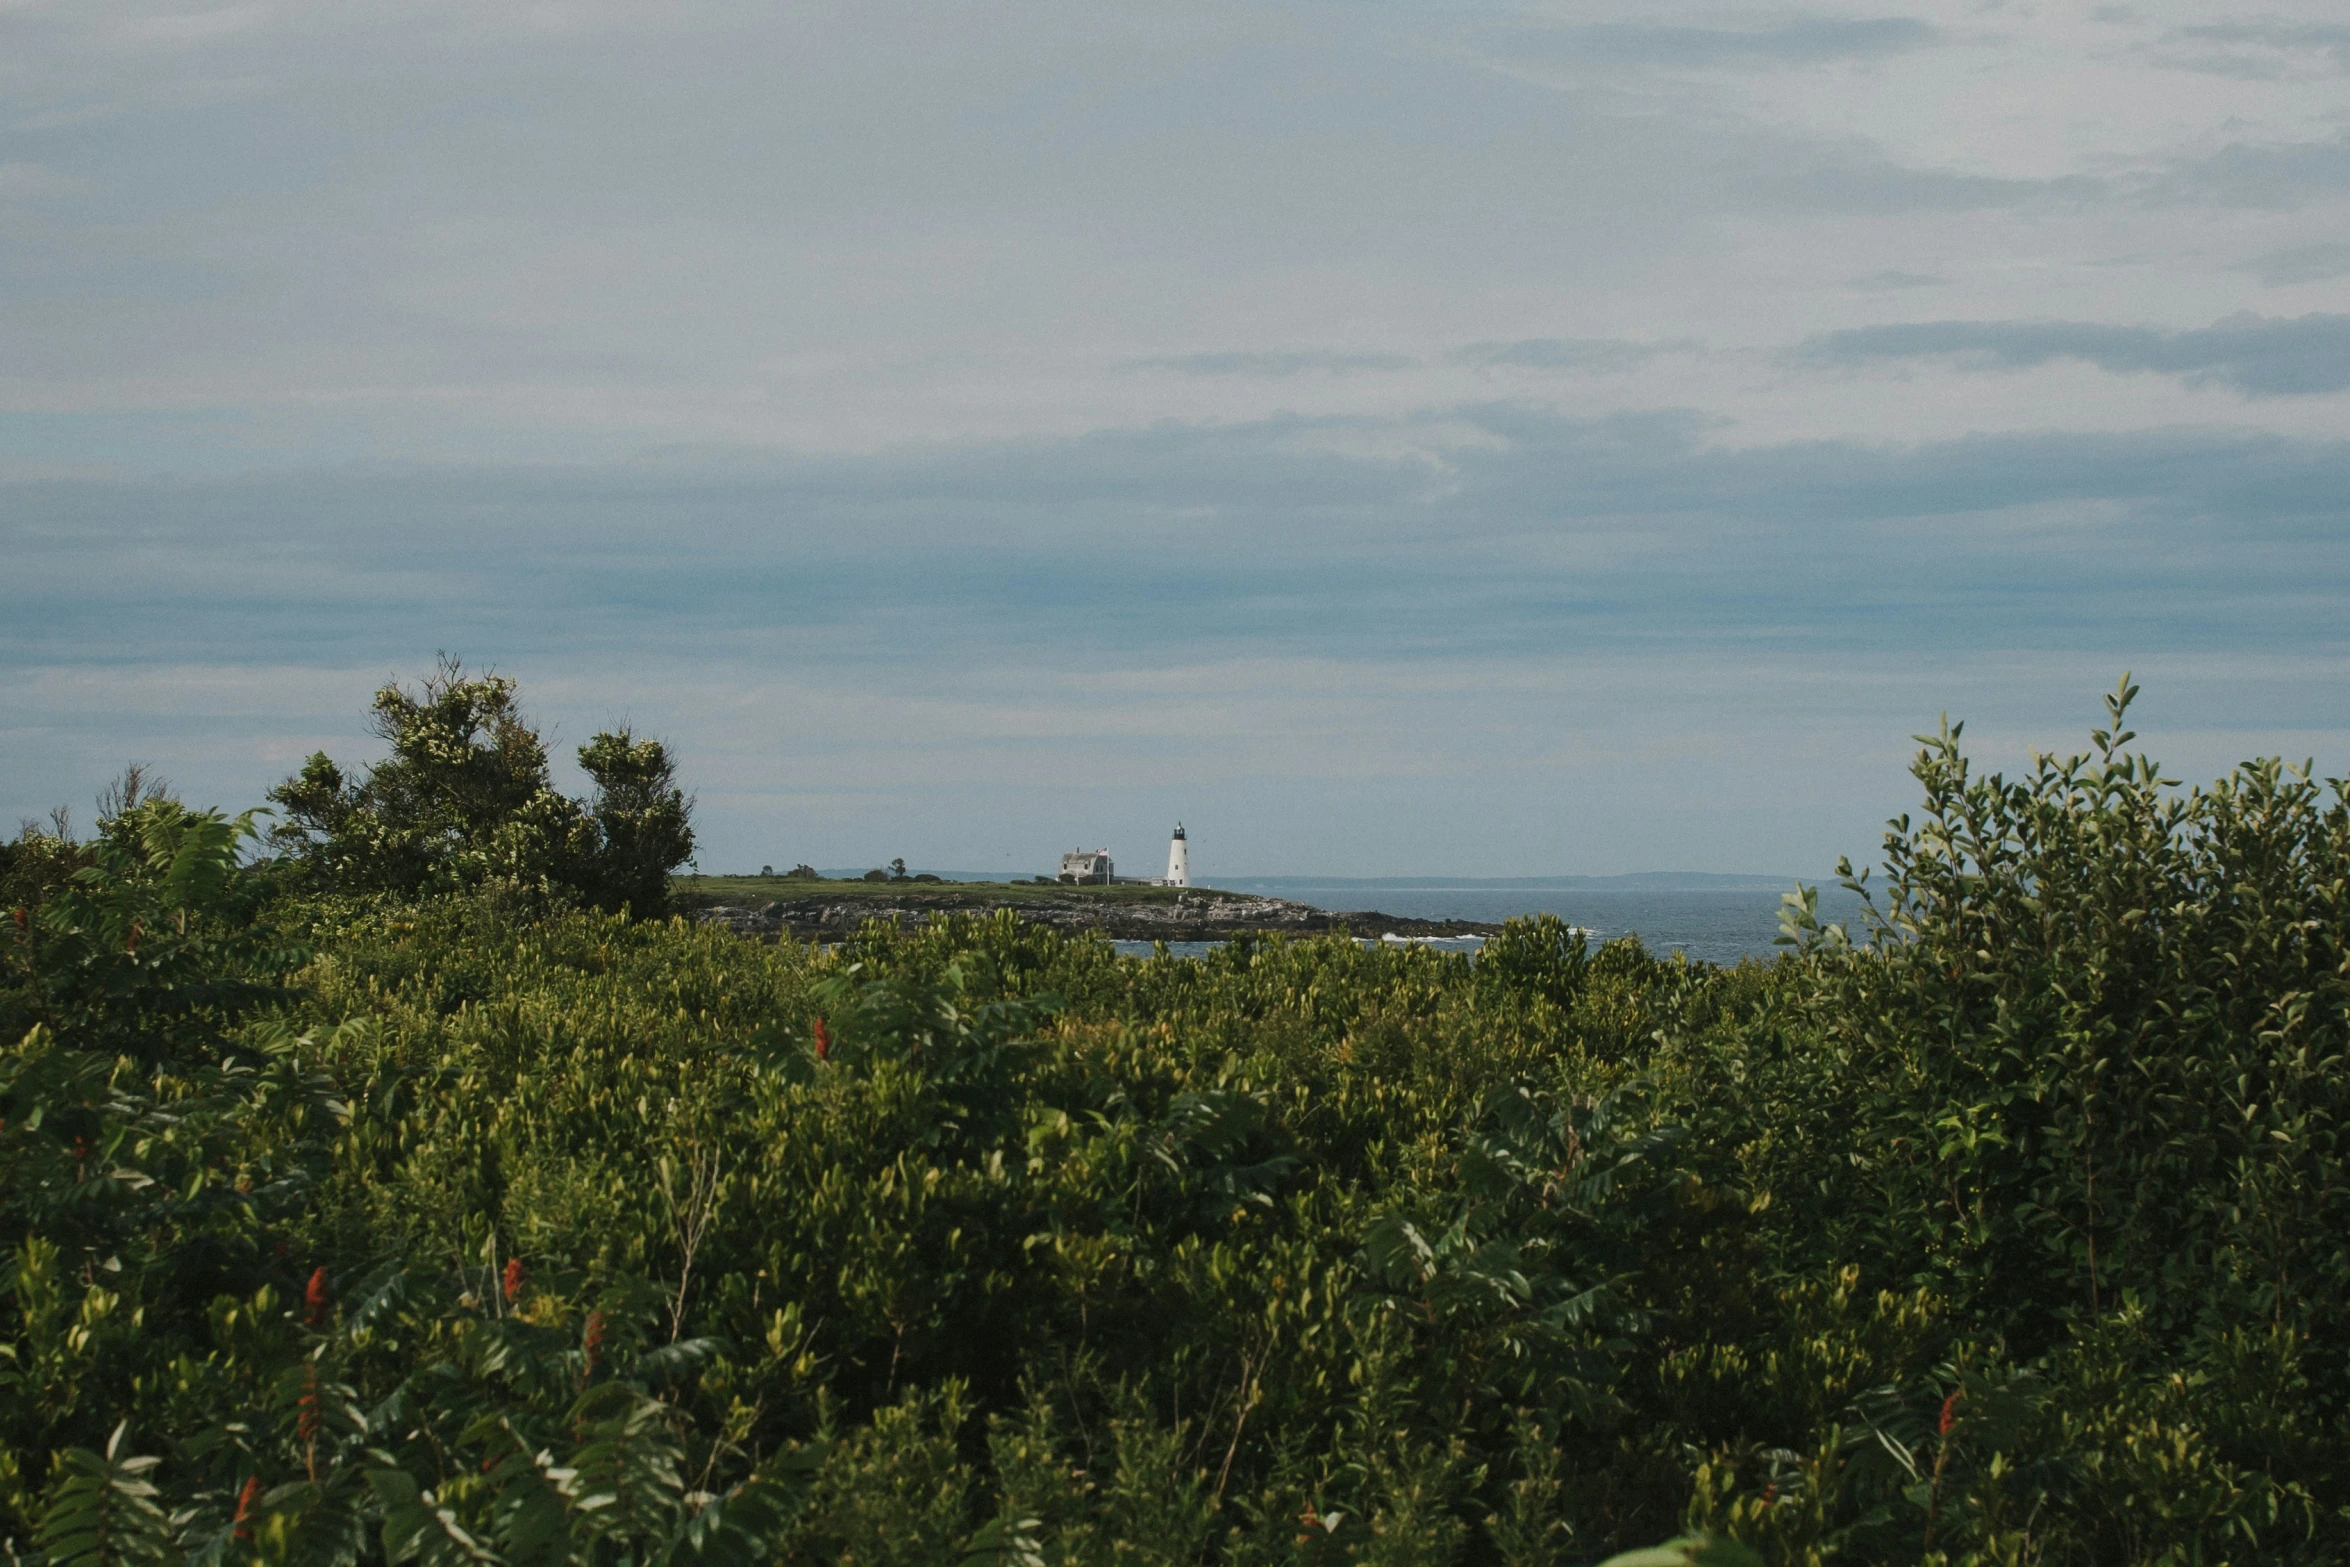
(464, 803)
(445, 1226)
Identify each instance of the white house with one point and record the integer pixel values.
(1087, 866)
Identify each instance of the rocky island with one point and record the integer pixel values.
(809, 909)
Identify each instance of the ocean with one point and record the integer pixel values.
(1719, 919)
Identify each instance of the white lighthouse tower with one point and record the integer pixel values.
(1178, 861)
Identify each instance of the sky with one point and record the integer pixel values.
(1409, 439)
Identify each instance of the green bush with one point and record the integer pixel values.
(2009, 1232)
(464, 802)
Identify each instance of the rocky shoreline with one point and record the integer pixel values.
(1184, 919)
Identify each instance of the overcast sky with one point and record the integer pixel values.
(1394, 438)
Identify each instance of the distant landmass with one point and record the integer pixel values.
(1632, 881)
(1718, 916)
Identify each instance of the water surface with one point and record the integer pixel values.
(1719, 920)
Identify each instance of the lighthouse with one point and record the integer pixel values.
(1178, 862)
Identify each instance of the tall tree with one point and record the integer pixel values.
(464, 800)
(642, 818)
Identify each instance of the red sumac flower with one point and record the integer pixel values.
(245, 1500)
(316, 1297)
(513, 1277)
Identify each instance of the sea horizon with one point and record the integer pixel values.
(1716, 916)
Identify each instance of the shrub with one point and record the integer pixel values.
(464, 802)
(2011, 1232)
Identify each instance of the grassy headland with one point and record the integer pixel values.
(827, 909)
(702, 891)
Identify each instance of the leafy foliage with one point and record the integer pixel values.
(104, 1511)
(464, 802)
(151, 942)
(2010, 1232)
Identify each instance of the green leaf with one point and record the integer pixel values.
(1694, 1550)
(417, 1530)
(103, 1510)
(1005, 1542)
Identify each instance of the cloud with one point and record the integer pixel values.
(1483, 530)
(187, 27)
(1564, 353)
(899, 254)
(2260, 356)
(1434, 633)
(1846, 177)
(1880, 282)
(2259, 50)
(1239, 363)
(25, 180)
(1803, 41)
(2300, 263)
(2276, 175)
